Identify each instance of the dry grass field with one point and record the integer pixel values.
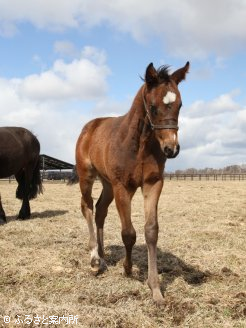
(45, 273)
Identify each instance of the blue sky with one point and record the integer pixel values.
(64, 62)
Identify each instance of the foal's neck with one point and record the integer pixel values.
(133, 125)
(137, 111)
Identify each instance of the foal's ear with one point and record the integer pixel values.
(151, 77)
(180, 74)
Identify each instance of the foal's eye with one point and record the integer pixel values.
(180, 106)
(153, 109)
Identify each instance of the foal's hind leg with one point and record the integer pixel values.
(102, 205)
(86, 181)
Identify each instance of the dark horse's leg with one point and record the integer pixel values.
(2, 213)
(123, 202)
(22, 193)
(29, 185)
(102, 205)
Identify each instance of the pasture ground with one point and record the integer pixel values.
(44, 261)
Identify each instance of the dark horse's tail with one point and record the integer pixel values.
(74, 178)
(35, 184)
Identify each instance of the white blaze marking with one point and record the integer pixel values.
(169, 98)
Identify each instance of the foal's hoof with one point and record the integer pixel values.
(158, 298)
(127, 270)
(97, 266)
(159, 301)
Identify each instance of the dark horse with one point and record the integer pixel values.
(128, 152)
(19, 156)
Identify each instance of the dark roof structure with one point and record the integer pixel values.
(51, 163)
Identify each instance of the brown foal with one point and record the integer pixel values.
(128, 152)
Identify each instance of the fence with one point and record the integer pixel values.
(199, 177)
(167, 176)
(48, 175)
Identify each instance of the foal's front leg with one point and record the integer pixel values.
(151, 193)
(123, 203)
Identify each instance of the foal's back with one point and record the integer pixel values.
(96, 145)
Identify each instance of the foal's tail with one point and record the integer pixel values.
(35, 187)
(74, 178)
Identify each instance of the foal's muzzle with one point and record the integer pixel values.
(171, 152)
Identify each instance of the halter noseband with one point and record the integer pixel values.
(158, 126)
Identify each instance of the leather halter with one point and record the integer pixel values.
(158, 126)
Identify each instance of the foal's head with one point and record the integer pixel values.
(162, 102)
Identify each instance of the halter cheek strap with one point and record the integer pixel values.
(158, 126)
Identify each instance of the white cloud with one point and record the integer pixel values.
(212, 134)
(52, 104)
(222, 104)
(185, 27)
(56, 125)
(108, 107)
(94, 54)
(65, 48)
(54, 14)
(82, 78)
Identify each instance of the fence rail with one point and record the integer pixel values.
(199, 177)
(173, 176)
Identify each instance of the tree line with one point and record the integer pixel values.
(231, 169)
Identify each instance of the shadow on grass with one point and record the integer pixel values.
(47, 214)
(169, 265)
(39, 215)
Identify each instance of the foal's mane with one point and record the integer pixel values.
(163, 74)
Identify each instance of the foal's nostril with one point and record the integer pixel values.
(168, 151)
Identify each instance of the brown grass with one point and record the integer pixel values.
(44, 261)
